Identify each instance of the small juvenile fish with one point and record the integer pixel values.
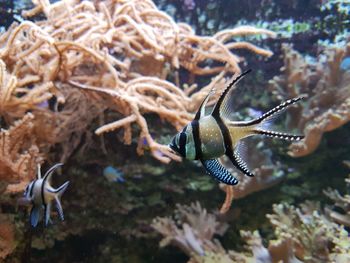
(40, 193)
(208, 137)
(113, 175)
(345, 64)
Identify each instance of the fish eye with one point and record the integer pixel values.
(182, 139)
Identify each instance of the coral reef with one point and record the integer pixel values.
(72, 68)
(303, 235)
(327, 89)
(192, 230)
(7, 236)
(106, 47)
(19, 154)
(342, 202)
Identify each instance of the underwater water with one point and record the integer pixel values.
(95, 162)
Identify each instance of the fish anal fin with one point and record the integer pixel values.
(238, 162)
(59, 208)
(219, 172)
(241, 149)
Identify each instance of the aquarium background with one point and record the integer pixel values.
(69, 68)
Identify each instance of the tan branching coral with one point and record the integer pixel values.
(7, 237)
(192, 230)
(126, 49)
(327, 89)
(19, 154)
(314, 238)
(340, 201)
(16, 98)
(302, 235)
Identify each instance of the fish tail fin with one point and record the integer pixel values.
(59, 192)
(261, 124)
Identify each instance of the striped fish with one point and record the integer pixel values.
(41, 194)
(209, 137)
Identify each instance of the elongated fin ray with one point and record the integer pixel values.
(51, 170)
(219, 172)
(47, 212)
(59, 208)
(238, 162)
(201, 111)
(275, 111)
(217, 107)
(280, 135)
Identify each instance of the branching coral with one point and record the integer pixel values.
(16, 98)
(7, 237)
(314, 238)
(18, 154)
(123, 48)
(340, 201)
(192, 230)
(327, 88)
(303, 235)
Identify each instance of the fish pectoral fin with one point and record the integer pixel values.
(238, 162)
(219, 172)
(34, 215)
(59, 208)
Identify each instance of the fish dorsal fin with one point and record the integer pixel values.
(221, 107)
(39, 171)
(201, 111)
(51, 170)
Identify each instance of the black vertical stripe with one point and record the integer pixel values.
(32, 188)
(182, 144)
(197, 140)
(42, 190)
(226, 135)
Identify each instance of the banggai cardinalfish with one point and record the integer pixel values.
(209, 137)
(41, 194)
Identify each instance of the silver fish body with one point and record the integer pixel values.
(41, 194)
(209, 137)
